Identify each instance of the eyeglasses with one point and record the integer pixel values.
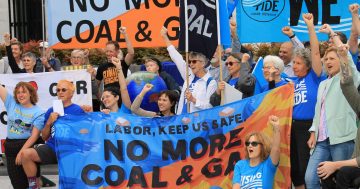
(269, 67)
(194, 61)
(253, 143)
(230, 63)
(62, 90)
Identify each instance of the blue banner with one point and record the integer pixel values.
(192, 150)
(262, 20)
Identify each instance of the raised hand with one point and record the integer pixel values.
(116, 62)
(147, 87)
(287, 31)
(326, 28)
(308, 18)
(6, 37)
(275, 122)
(122, 30)
(343, 50)
(245, 58)
(163, 32)
(354, 8)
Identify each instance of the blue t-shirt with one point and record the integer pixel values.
(306, 89)
(73, 109)
(124, 109)
(232, 82)
(278, 84)
(258, 177)
(21, 120)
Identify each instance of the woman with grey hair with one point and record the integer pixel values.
(272, 69)
(201, 84)
(28, 59)
(308, 70)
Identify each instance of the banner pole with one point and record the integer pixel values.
(43, 25)
(187, 52)
(219, 49)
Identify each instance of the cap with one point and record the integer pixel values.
(44, 44)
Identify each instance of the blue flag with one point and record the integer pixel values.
(224, 24)
(231, 4)
(258, 73)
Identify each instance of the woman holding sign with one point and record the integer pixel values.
(259, 167)
(25, 120)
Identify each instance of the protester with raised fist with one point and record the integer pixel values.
(201, 84)
(334, 125)
(25, 120)
(308, 70)
(262, 159)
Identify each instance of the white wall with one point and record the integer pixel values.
(4, 18)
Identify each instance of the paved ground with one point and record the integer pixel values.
(50, 171)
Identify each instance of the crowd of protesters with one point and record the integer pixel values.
(324, 119)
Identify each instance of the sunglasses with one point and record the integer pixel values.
(62, 90)
(194, 61)
(230, 63)
(253, 143)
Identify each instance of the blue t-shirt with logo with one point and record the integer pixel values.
(306, 89)
(73, 109)
(258, 177)
(21, 120)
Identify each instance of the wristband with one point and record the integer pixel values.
(292, 36)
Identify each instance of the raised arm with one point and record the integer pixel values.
(130, 49)
(275, 148)
(3, 92)
(347, 82)
(125, 98)
(246, 81)
(174, 54)
(314, 44)
(354, 10)
(12, 62)
(135, 106)
(293, 38)
(326, 28)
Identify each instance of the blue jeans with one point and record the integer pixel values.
(325, 152)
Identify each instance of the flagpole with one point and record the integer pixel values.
(187, 52)
(219, 48)
(43, 25)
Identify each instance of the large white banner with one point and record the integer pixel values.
(46, 83)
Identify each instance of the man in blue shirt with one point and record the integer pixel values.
(45, 154)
